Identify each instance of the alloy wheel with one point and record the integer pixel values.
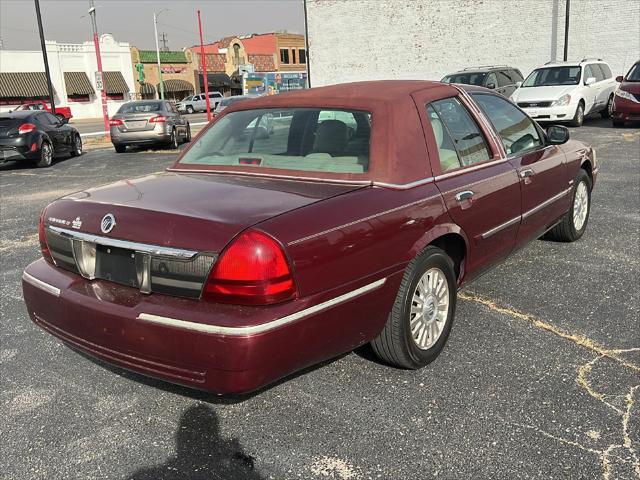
(429, 308)
(580, 206)
(77, 142)
(47, 153)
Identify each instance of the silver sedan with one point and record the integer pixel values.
(148, 122)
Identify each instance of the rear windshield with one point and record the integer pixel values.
(553, 76)
(634, 74)
(466, 78)
(307, 139)
(140, 107)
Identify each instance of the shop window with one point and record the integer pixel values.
(115, 96)
(284, 56)
(302, 55)
(293, 56)
(78, 98)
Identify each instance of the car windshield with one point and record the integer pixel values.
(186, 99)
(471, 78)
(141, 107)
(549, 76)
(307, 139)
(634, 74)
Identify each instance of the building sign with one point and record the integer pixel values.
(99, 84)
(273, 83)
(172, 69)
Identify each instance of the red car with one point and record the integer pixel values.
(61, 112)
(626, 101)
(356, 220)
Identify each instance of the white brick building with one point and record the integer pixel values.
(352, 40)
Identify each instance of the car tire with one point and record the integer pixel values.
(173, 140)
(618, 123)
(46, 155)
(76, 151)
(578, 117)
(574, 223)
(606, 113)
(187, 138)
(190, 109)
(409, 339)
(120, 148)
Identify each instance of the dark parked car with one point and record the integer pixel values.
(37, 137)
(626, 100)
(501, 78)
(254, 256)
(148, 122)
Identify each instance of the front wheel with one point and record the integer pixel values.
(173, 141)
(618, 123)
(578, 118)
(420, 322)
(574, 223)
(606, 113)
(187, 137)
(120, 148)
(190, 109)
(46, 155)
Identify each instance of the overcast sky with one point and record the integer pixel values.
(132, 20)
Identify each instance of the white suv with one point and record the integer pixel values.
(197, 103)
(567, 91)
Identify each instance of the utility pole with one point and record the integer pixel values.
(566, 29)
(99, 73)
(155, 29)
(205, 78)
(44, 57)
(165, 48)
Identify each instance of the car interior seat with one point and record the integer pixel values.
(448, 156)
(332, 137)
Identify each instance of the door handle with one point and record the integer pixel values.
(462, 196)
(526, 173)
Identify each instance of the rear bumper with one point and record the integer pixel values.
(145, 137)
(17, 149)
(213, 347)
(625, 110)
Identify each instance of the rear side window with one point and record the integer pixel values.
(468, 141)
(472, 78)
(446, 149)
(517, 131)
(307, 139)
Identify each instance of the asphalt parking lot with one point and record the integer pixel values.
(540, 378)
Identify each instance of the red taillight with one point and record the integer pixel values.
(115, 122)
(26, 128)
(158, 119)
(253, 270)
(44, 248)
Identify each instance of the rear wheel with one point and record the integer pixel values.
(578, 118)
(420, 322)
(606, 113)
(120, 148)
(76, 150)
(46, 155)
(574, 223)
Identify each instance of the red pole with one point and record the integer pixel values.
(205, 79)
(96, 42)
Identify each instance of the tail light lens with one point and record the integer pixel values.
(42, 237)
(115, 122)
(253, 270)
(26, 128)
(158, 119)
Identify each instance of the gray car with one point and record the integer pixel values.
(148, 122)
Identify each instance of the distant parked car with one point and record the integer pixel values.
(501, 78)
(37, 137)
(148, 122)
(225, 102)
(626, 101)
(197, 103)
(567, 91)
(61, 112)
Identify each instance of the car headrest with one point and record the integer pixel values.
(436, 124)
(331, 137)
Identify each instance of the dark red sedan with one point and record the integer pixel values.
(626, 100)
(355, 218)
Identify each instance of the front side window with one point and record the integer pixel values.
(592, 71)
(606, 70)
(517, 131)
(468, 140)
(491, 80)
(504, 79)
(634, 74)
(306, 139)
(549, 76)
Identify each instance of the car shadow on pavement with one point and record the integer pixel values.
(202, 453)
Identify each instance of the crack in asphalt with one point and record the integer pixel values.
(582, 379)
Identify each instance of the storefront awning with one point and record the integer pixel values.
(175, 85)
(23, 84)
(114, 83)
(147, 89)
(77, 83)
(216, 80)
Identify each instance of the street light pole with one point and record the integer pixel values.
(100, 74)
(155, 29)
(205, 77)
(45, 58)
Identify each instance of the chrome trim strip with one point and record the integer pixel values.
(265, 327)
(546, 203)
(370, 217)
(40, 284)
(404, 186)
(502, 226)
(114, 242)
(472, 168)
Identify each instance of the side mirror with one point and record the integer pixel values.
(518, 84)
(619, 79)
(557, 134)
(491, 85)
(590, 81)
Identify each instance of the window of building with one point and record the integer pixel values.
(284, 56)
(115, 96)
(293, 55)
(78, 98)
(302, 55)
